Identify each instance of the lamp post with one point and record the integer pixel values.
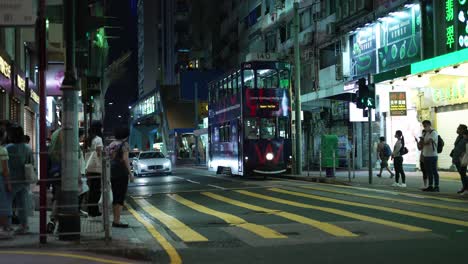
(297, 91)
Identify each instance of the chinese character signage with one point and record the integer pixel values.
(5, 68)
(455, 28)
(449, 90)
(397, 103)
(400, 34)
(363, 57)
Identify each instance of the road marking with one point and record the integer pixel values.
(385, 209)
(182, 178)
(64, 255)
(170, 250)
(262, 231)
(192, 181)
(326, 227)
(388, 199)
(398, 193)
(338, 212)
(216, 186)
(184, 232)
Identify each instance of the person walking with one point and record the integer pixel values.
(464, 159)
(397, 157)
(457, 153)
(94, 168)
(430, 142)
(420, 145)
(120, 173)
(384, 152)
(19, 155)
(5, 188)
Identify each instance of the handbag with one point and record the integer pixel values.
(30, 174)
(93, 163)
(464, 159)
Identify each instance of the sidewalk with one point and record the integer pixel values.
(449, 181)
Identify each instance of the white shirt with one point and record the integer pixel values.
(430, 150)
(97, 142)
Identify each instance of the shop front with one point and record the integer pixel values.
(435, 89)
(5, 85)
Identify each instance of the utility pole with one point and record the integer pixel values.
(69, 217)
(369, 122)
(196, 121)
(41, 39)
(297, 91)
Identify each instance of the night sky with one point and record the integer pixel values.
(123, 92)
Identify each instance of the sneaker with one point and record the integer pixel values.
(120, 225)
(428, 189)
(379, 175)
(83, 213)
(461, 191)
(403, 185)
(436, 189)
(396, 184)
(392, 175)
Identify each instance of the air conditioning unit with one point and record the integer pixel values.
(331, 28)
(339, 67)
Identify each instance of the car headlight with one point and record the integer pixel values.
(142, 166)
(167, 164)
(269, 156)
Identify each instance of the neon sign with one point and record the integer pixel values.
(21, 83)
(34, 97)
(5, 68)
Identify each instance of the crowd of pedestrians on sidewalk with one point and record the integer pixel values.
(430, 145)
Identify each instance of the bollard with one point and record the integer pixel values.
(348, 161)
(334, 164)
(320, 163)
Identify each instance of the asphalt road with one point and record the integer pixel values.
(199, 217)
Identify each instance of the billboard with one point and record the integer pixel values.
(17, 13)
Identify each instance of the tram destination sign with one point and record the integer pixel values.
(398, 104)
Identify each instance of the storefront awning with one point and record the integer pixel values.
(449, 59)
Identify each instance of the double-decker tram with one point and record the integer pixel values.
(249, 123)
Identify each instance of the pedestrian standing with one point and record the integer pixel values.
(83, 181)
(19, 155)
(120, 173)
(457, 153)
(464, 158)
(397, 157)
(430, 142)
(420, 145)
(5, 188)
(384, 152)
(94, 172)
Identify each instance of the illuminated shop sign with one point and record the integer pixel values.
(391, 42)
(21, 83)
(5, 68)
(398, 104)
(449, 90)
(34, 97)
(145, 107)
(456, 29)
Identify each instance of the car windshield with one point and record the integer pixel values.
(133, 154)
(151, 155)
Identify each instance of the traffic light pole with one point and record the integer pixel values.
(369, 123)
(297, 91)
(68, 216)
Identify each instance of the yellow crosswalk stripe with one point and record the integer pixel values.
(397, 193)
(441, 206)
(380, 208)
(184, 232)
(170, 250)
(262, 231)
(326, 227)
(338, 212)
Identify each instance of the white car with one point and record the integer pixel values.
(151, 163)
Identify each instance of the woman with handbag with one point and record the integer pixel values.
(397, 157)
(20, 155)
(120, 173)
(94, 167)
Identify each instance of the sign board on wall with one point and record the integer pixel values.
(363, 57)
(400, 38)
(17, 13)
(451, 25)
(448, 90)
(398, 104)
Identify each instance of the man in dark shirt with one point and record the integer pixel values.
(457, 153)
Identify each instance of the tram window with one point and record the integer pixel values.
(267, 79)
(249, 79)
(239, 81)
(234, 83)
(268, 128)
(251, 128)
(284, 79)
(283, 128)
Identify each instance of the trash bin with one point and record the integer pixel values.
(329, 148)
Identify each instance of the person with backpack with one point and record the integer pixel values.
(384, 152)
(397, 156)
(432, 145)
(120, 173)
(457, 153)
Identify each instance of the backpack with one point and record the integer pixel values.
(440, 144)
(387, 150)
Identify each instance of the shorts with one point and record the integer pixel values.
(384, 162)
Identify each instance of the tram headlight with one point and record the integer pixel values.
(269, 156)
(246, 158)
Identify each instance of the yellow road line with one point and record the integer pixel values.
(262, 231)
(388, 199)
(64, 255)
(398, 193)
(338, 212)
(170, 250)
(326, 227)
(184, 232)
(380, 208)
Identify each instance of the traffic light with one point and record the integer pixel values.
(370, 102)
(366, 95)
